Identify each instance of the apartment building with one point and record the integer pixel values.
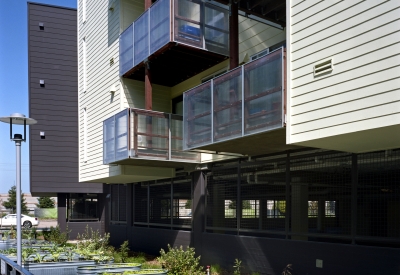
(53, 102)
(266, 131)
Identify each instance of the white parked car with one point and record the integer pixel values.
(26, 221)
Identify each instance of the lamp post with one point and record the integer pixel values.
(18, 119)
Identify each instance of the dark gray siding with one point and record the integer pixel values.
(52, 54)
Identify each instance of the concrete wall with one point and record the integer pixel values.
(356, 107)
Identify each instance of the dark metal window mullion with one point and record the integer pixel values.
(171, 204)
(148, 205)
(288, 202)
(354, 182)
(238, 199)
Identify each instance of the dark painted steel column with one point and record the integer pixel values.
(233, 35)
(148, 89)
(62, 211)
(198, 210)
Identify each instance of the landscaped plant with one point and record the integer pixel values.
(237, 266)
(180, 262)
(91, 245)
(123, 251)
(287, 270)
(55, 235)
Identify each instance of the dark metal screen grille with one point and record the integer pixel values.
(321, 194)
(263, 186)
(140, 203)
(160, 202)
(114, 202)
(182, 201)
(122, 203)
(378, 204)
(169, 205)
(222, 197)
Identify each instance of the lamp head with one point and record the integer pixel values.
(18, 119)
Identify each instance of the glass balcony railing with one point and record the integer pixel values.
(194, 23)
(143, 134)
(244, 101)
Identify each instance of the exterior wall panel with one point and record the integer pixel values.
(53, 58)
(361, 93)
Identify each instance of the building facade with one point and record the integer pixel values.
(266, 131)
(53, 102)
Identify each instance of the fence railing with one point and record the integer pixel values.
(195, 23)
(9, 267)
(244, 101)
(137, 133)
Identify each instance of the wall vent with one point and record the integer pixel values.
(111, 61)
(323, 67)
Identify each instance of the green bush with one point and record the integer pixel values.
(180, 262)
(55, 235)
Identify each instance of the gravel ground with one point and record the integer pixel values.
(47, 223)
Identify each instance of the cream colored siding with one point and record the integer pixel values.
(130, 11)
(101, 31)
(363, 90)
(134, 91)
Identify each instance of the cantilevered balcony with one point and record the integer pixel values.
(241, 111)
(179, 39)
(138, 137)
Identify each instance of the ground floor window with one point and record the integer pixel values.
(82, 207)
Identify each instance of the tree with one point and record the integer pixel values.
(11, 203)
(45, 202)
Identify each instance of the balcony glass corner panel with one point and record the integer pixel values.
(126, 50)
(197, 113)
(227, 94)
(108, 140)
(216, 29)
(177, 152)
(141, 39)
(152, 135)
(159, 25)
(263, 93)
(187, 25)
(121, 135)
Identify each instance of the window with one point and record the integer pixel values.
(250, 209)
(118, 203)
(276, 209)
(268, 50)
(312, 208)
(82, 207)
(330, 208)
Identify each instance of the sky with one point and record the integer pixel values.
(14, 84)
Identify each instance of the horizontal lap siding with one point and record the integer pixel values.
(362, 92)
(101, 30)
(53, 58)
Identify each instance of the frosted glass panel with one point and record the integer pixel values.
(228, 105)
(197, 113)
(152, 136)
(187, 23)
(126, 50)
(108, 140)
(159, 25)
(141, 42)
(121, 135)
(263, 93)
(216, 29)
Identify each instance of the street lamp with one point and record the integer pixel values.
(18, 119)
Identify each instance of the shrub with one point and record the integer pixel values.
(55, 235)
(180, 262)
